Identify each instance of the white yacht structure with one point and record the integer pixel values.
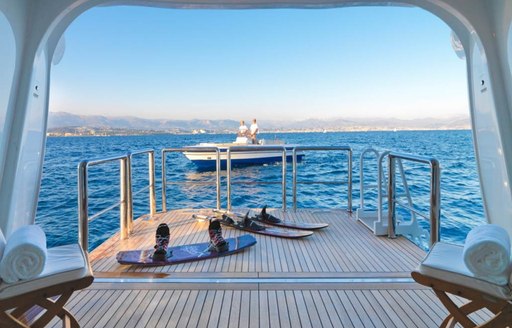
(330, 289)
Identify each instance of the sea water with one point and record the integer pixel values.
(461, 203)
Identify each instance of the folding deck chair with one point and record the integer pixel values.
(443, 270)
(35, 302)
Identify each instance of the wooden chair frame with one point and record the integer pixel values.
(18, 311)
(478, 300)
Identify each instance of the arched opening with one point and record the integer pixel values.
(184, 84)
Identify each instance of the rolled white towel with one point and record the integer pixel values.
(487, 253)
(25, 254)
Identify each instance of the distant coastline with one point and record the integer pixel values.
(63, 124)
(91, 132)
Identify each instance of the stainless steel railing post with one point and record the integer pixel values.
(294, 179)
(391, 196)
(164, 183)
(217, 176)
(83, 224)
(349, 184)
(228, 177)
(152, 192)
(435, 202)
(123, 211)
(129, 194)
(284, 179)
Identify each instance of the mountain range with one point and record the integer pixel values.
(63, 121)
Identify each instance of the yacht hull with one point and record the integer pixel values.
(207, 160)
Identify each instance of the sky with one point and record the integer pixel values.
(273, 64)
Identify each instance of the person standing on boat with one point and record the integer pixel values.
(254, 130)
(242, 129)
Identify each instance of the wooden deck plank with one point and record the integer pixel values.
(291, 308)
(414, 310)
(360, 310)
(198, 308)
(370, 311)
(273, 309)
(344, 250)
(143, 311)
(311, 308)
(264, 310)
(254, 309)
(354, 316)
(401, 308)
(158, 311)
(345, 246)
(305, 320)
(377, 308)
(282, 309)
(91, 307)
(276, 308)
(343, 316)
(172, 304)
(329, 308)
(207, 308)
(213, 321)
(131, 311)
(321, 309)
(180, 305)
(226, 309)
(188, 309)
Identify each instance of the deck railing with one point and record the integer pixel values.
(435, 194)
(126, 193)
(229, 183)
(166, 151)
(235, 149)
(378, 223)
(323, 148)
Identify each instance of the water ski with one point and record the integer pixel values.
(184, 253)
(248, 224)
(266, 218)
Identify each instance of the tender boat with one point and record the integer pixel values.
(242, 153)
(340, 277)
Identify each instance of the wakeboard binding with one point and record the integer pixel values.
(161, 242)
(217, 241)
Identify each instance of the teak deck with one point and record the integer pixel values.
(342, 276)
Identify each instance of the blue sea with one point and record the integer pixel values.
(461, 203)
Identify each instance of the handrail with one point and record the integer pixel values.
(361, 174)
(151, 185)
(257, 149)
(435, 193)
(320, 148)
(125, 203)
(83, 202)
(192, 150)
(381, 177)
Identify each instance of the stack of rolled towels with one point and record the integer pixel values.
(487, 253)
(23, 256)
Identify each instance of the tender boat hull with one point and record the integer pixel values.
(207, 160)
